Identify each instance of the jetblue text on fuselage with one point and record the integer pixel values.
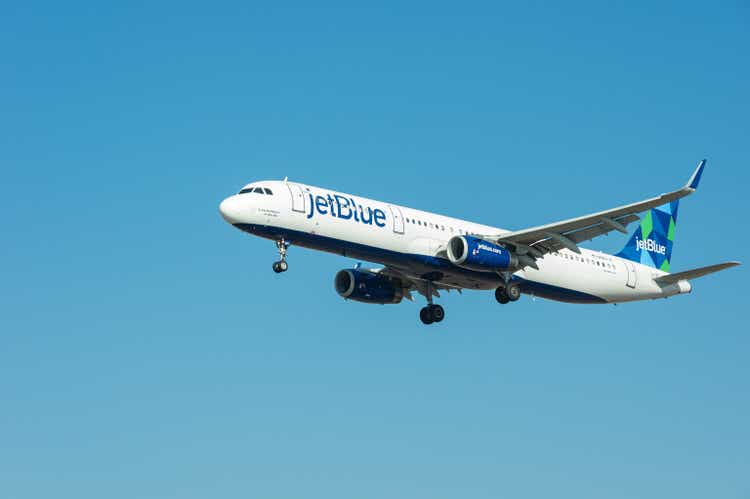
(650, 245)
(345, 208)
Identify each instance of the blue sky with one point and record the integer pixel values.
(148, 349)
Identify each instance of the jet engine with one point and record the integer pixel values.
(477, 254)
(367, 287)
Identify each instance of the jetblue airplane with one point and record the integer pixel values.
(425, 252)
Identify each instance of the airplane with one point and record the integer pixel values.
(427, 253)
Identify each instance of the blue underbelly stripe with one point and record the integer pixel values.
(398, 259)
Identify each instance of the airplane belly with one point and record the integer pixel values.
(567, 281)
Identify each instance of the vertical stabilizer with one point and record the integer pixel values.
(653, 239)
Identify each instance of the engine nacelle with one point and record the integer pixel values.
(367, 287)
(477, 254)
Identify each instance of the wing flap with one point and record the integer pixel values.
(412, 282)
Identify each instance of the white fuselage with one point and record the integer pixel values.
(414, 242)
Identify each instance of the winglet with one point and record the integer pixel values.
(696, 178)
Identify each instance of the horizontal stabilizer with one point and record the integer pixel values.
(694, 274)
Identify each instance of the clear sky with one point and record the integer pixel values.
(149, 351)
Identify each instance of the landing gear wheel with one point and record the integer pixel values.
(432, 313)
(512, 291)
(437, 313)
(500, 295)
(281, 265)
(426, 316)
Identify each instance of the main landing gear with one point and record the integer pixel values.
(507, 293)
(432, 312)
(281, 265)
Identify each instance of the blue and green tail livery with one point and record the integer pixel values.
(652, 242)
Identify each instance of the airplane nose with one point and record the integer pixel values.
(231, 209)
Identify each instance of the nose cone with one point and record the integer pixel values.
(231, 209)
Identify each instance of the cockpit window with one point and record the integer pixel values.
(256, 190)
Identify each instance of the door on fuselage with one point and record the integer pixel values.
(398, 219)
(632, 276)
(298, 197)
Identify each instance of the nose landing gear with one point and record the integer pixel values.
(281, 265)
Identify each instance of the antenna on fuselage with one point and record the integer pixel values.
(285, 179)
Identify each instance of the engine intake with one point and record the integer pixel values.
(367, 287)
(477, 254)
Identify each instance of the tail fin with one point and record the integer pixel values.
(653, 239)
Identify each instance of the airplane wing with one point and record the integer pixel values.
(422, 286)
(537, 241)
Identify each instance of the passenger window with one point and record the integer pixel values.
(268, 191)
